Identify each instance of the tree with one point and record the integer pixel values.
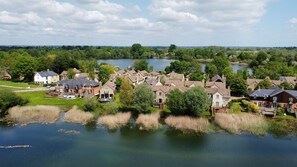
(143, 98)
(176, 102)
(264, 84)
(136, 50)
(9, 99)
(63, 62)
(211, 70)
(221, 63)
(228, 72)
(285, 85)
(238, 86)
(70, 73)
(118, 82)
(126, 93)
(25, 66)
(103, 75)
(196, 101)
(197, 76)
(171, 48)
(91, 103)
(140, 65)
(184, 67)
(261, 57)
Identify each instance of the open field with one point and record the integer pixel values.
(18, 84)
(38, 98)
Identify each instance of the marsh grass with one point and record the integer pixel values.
(115, 121)
(149, 121)
(34, 114)
(244, 122)
(76, 115)
(189, 124)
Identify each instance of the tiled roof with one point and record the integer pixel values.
(47, 73)
(77, 83)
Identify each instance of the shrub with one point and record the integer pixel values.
(252, 108)
(143, 98)
(109, 108)
(235, 107)
(91, 104)
(9, 99)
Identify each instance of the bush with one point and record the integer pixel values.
(143, 98)
(91, 104)
(252, 108)
(109, 108)
(235, 107)
(9, 99)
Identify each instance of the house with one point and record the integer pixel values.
(107, 92)
(220, 97)
(46, 77)
(218, 78)
(291, 80)
(64, 74)
(252, 83)
(174, 83)
(161, 93)
(5, 75)
(78, 87)
(191, 84)
(176, 76)
(269, 99)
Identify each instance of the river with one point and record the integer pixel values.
(128, 147)
(158, 64)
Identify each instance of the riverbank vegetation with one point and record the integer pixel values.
(189, 124)
(10, 99)
(149, 121)
(34, 114)
(115, 121)
(243, 122)
(76, 115)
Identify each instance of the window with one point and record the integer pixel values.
(217, 96)
(217, 104)
(160, 93)
(160, 100)
(260, 104)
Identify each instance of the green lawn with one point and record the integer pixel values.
(18, 84)
(38, 98)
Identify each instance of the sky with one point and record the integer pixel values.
(263, 23)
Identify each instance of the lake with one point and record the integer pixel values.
(158, 64)
(128, 147)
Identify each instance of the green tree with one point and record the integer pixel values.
(286, 86)
(137, 50)
(262, 56)
(211, 70)
(143, 98)
(103, 74)
(221, 63)
(91, 103)
(264, 84)
(25, 66)
(140, 65)
(196, 101)
(70, 73)
(176, 102)
(238, 86)
(118, 82)
(9, 99)
(171, 48)
(197, 76)
(126, 93)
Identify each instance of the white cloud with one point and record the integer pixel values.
(293, 20)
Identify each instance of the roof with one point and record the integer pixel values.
(176, 76)
(110, 85)
(291, 80)
(250, 81)
(224, 92)
(216, 78)
(194, 83)
(143, 73)
(176, 83)
(77, 83)
(165, 89)
(82, 75)
(64, 73)
(216, 84)
(47, 73)
(265, 92)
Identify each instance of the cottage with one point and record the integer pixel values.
(107, 92)
(78, 87)
(220, 97)
(46, 77)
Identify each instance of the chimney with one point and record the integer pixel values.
(137, 80)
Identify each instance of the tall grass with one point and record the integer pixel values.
(34, 114)
(247, 122)
(185, 123)
(78, 116)
(114, 121)
(149, 121)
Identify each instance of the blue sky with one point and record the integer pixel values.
(149, 22)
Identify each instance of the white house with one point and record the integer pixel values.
(46, 77)
(220, 97)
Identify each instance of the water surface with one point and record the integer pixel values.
(128, 147)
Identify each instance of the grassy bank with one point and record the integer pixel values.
(34, 114)
(38, 98)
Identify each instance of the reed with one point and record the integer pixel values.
(247, 122)
(76, 115)
(115, 121)
(149, 121)
(185, 123)
(34, 114)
